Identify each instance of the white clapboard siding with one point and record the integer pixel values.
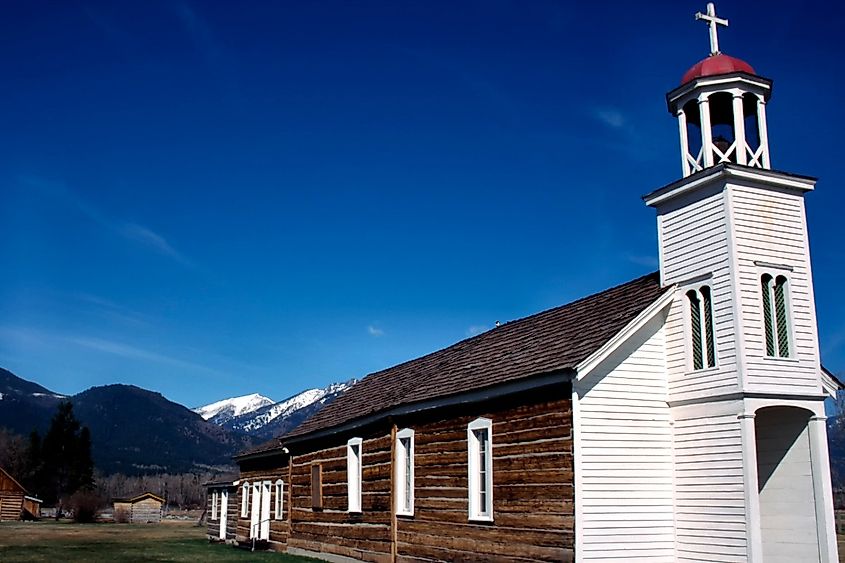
(769, 227)
(709, 498)
(625, 456)
(694, 243)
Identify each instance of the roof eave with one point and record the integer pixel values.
(563, 375)
(597, 357)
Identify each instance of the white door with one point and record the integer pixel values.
(256, 503)
(224, 508)
(265, 511)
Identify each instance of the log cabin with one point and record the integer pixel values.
(15, 503)
(221, 509)
(141, 509)
(676, 417)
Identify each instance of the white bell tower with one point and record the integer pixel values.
(721, 109)
(745, 386)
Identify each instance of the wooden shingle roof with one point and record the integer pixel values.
(552, 341)
(139, 498)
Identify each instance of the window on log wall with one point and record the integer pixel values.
(405, 472)
(353, 474)
(244, 500)
(214, 505)
(280, 489)
(480, 463)
(317, 486)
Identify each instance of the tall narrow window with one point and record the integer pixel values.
(214, 505)
(695, 329)
(280, 491)
(317, 486)
(244, 500)
(480, 463)
(775, 315)
(405, 472)
(353, 474)
(707, 305)
(702, 336)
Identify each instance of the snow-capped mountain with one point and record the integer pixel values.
(227, 409)
(270, 420)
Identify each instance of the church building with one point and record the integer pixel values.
(677, 417)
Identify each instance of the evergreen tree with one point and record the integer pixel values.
(64, 464)
(33, 476)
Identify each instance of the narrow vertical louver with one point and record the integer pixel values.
(708, 326)
(768, 320)
(695, 330)
(781, 317)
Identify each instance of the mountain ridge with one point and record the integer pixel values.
(139, 431)
(224, 410)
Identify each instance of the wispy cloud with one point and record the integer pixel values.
(128, 351)
(35, 338)
(374, 331)
(611, 117)
(109, 309)
(128, 230)
(475, 330)
(153, 240)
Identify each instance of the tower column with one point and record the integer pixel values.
(753, 537)
(822, 489)
(682, 129)
(741, 150)
(764, 132)
(706, 130)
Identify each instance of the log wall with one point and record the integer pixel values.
(11, 498)
(533, 493)
(332, 529)
(11, 504)
(272, 470)
(147, 511)
(233, 508)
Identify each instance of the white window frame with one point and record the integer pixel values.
(214, 505)
(476, 511)
(280, 503)
(776, 273)
(353, 473)
(405, 472)
(245, 499)
(697, 287)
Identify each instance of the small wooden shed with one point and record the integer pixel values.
(142, 509)
(15, 504)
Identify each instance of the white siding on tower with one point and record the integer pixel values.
(624, 454)
(709, 494)
(770, 230)
(787, 501)
(695, 251)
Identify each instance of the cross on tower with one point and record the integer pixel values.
(712, 21)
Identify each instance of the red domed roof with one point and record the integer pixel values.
(716, 64)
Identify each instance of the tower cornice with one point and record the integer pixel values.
(725, 172)
(750, 82)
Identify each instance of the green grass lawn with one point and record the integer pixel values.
(169, 541)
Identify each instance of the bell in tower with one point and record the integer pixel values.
(721, 109)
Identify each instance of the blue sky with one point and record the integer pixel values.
(210, 199)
